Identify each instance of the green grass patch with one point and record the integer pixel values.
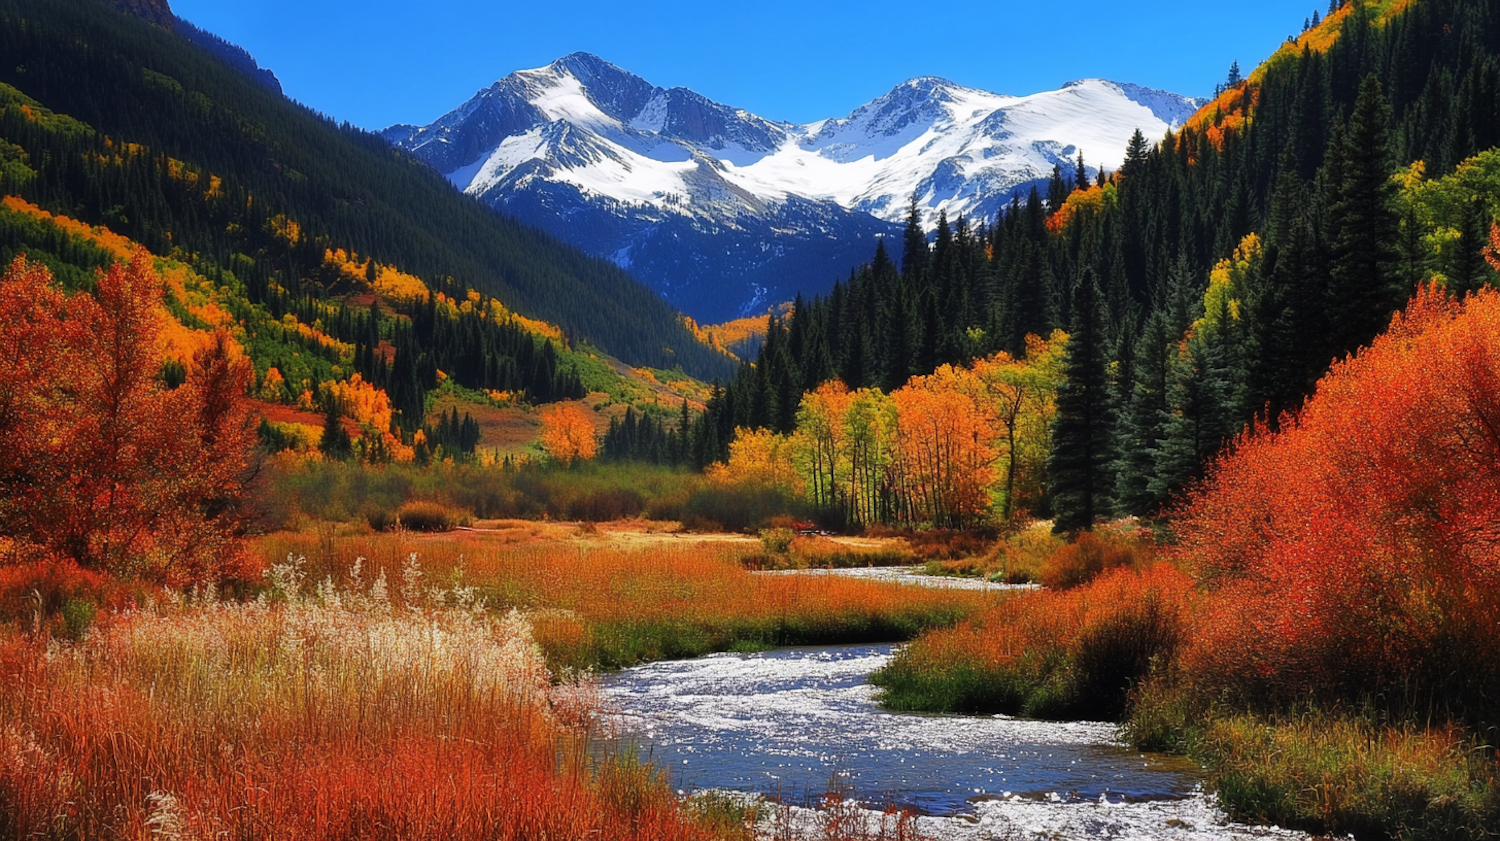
(1349, 774)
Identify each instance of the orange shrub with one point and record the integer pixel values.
(1050, 654)
(1357, 551)
(1094, 553)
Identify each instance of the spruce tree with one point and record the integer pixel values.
(335, 442)
(914, 253)
(1203, 403)
(1363, 290)
(1080, 466)
(1143, 421)
(1467, 270)
(1057, 189)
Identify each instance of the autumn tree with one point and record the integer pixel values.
(568, 433)
(110, 465)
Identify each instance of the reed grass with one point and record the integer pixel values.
(600, 601)
(1070, 654)
(373, 709)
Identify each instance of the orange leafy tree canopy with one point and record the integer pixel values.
(105, 463)
(568, 433)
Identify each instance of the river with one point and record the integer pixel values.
(796, 722)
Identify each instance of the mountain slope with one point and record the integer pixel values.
(140, 84)
(720, 209)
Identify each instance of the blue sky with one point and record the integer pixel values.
(377, 62)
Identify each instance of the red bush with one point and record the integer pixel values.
(1357, 551)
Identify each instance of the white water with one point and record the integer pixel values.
(794, 723)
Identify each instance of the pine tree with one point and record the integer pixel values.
(1143, 421)
(914, 253)
(1080, 174)
(1057, 189)
(1363, 289)
(335, 442)
(1080, 466)
(1135, 155)
(1234, 74)
(1203, 403)
(1467, 270)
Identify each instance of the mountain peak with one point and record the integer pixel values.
(585, 66)
(671, 182)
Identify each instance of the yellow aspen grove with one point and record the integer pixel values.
(759, 457)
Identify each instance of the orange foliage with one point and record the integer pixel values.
(1079, 201)
(1360, 545)
(1235, 107)
(1053, 653)
(734, 335)
(582, 593)
(333, 722)
(371, 409)
(285, 228)
(568, 433)
(947, 448)
(103, 463)
(1094, 553)
(121, 247)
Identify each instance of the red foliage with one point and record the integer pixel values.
(1357, 551)
(104, 462)
(1094, 553)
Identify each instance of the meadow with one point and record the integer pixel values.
(394, 685)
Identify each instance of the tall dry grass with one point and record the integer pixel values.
(603, 601)
(1051, 654)
(376, 708)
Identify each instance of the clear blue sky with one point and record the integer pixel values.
(377, 62)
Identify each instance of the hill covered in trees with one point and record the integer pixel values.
(1210, 281)
(178, 151)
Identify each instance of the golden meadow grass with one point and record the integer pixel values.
(374, 709)
(606, 600)
(419, 693)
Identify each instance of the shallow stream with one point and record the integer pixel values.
(796, 722)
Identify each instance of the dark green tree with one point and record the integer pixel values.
(1081, 464)
(335, 442)
(1363, 290)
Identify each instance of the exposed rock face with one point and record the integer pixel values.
(156, 11)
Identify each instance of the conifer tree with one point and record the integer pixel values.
(1467, 270)
(1203, 400)
(1363, 290)
(335, 442)
(914, 253)
(1057, 189)
(1081, 464)
(1143, 420)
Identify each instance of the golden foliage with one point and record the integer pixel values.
(568, 433)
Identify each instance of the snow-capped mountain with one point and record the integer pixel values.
(725, 212)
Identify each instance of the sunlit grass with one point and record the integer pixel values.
(1350, 774)
(602, 601)
(378, 708)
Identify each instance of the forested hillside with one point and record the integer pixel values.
(1210, 281)
(177, 151)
